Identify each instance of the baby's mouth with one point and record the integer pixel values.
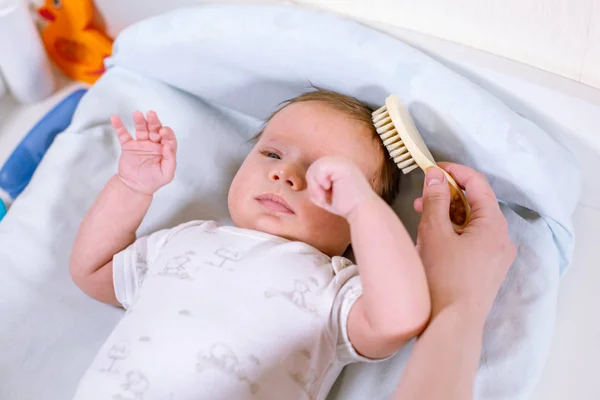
(274, 203)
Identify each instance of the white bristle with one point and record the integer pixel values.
(382, 122)
(411, 168)
(392, 141)
(380, 117)
(399, 152)
(387, 135)
(402, 157)
(385, 128)
(395, 146)
(405, 163)
(379, 111)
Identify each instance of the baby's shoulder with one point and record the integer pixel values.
(201, 225)
(308, 254)
(182, 230)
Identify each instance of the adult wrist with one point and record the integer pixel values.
(470, 313)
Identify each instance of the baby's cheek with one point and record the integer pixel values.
(236, 197)
(326, 226)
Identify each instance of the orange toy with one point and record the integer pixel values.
(78, 49)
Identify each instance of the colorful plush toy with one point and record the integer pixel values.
(72, 43)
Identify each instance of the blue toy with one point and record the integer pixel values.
(20, 166)
(2, 210)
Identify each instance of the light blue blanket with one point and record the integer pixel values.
(213, 73)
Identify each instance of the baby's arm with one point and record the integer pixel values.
(395, 304)
(146, 164)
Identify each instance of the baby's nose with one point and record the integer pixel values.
(288, 177)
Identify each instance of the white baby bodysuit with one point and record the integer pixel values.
(224, 313)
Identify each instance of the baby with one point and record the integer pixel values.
(267, 308)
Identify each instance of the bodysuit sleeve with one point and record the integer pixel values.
(350, 289)
(131, 265)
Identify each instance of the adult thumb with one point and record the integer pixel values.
(436, 200)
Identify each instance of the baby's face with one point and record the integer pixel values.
(269, 192)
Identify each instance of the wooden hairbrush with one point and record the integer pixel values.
(405, 145)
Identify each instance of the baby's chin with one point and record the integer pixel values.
(273, 225)
(281, 226)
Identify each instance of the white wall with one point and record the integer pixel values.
(559, 36)
(590, 72)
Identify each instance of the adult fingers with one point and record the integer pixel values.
(122, 133)
(418, 205)
(141, 126)
(436, 202)
(479, 193)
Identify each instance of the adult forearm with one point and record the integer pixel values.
(445, 358)
(108, 227)
(395, 289)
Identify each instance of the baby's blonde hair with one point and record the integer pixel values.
(387, 183)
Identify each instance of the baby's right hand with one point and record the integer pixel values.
(148, 162)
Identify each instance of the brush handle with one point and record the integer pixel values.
(460, 211)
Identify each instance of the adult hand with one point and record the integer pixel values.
(465, 271)
(466, 267)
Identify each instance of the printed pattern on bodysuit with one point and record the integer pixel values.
(302, 293)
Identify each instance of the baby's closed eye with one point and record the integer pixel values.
(271, 154)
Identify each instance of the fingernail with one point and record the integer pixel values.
(434, 177)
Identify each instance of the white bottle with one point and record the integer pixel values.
(23, 60)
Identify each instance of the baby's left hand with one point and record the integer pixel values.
(337, 185)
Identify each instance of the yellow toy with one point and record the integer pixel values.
(77, 48)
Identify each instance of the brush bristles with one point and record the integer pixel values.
(392, 140)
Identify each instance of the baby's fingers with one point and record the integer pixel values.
(154, 126)
(318, 195)
(168, 137)
(141, 126)
(324, 180)
(120, 130)
(321, 174)
(169, 162)
(319, 187)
